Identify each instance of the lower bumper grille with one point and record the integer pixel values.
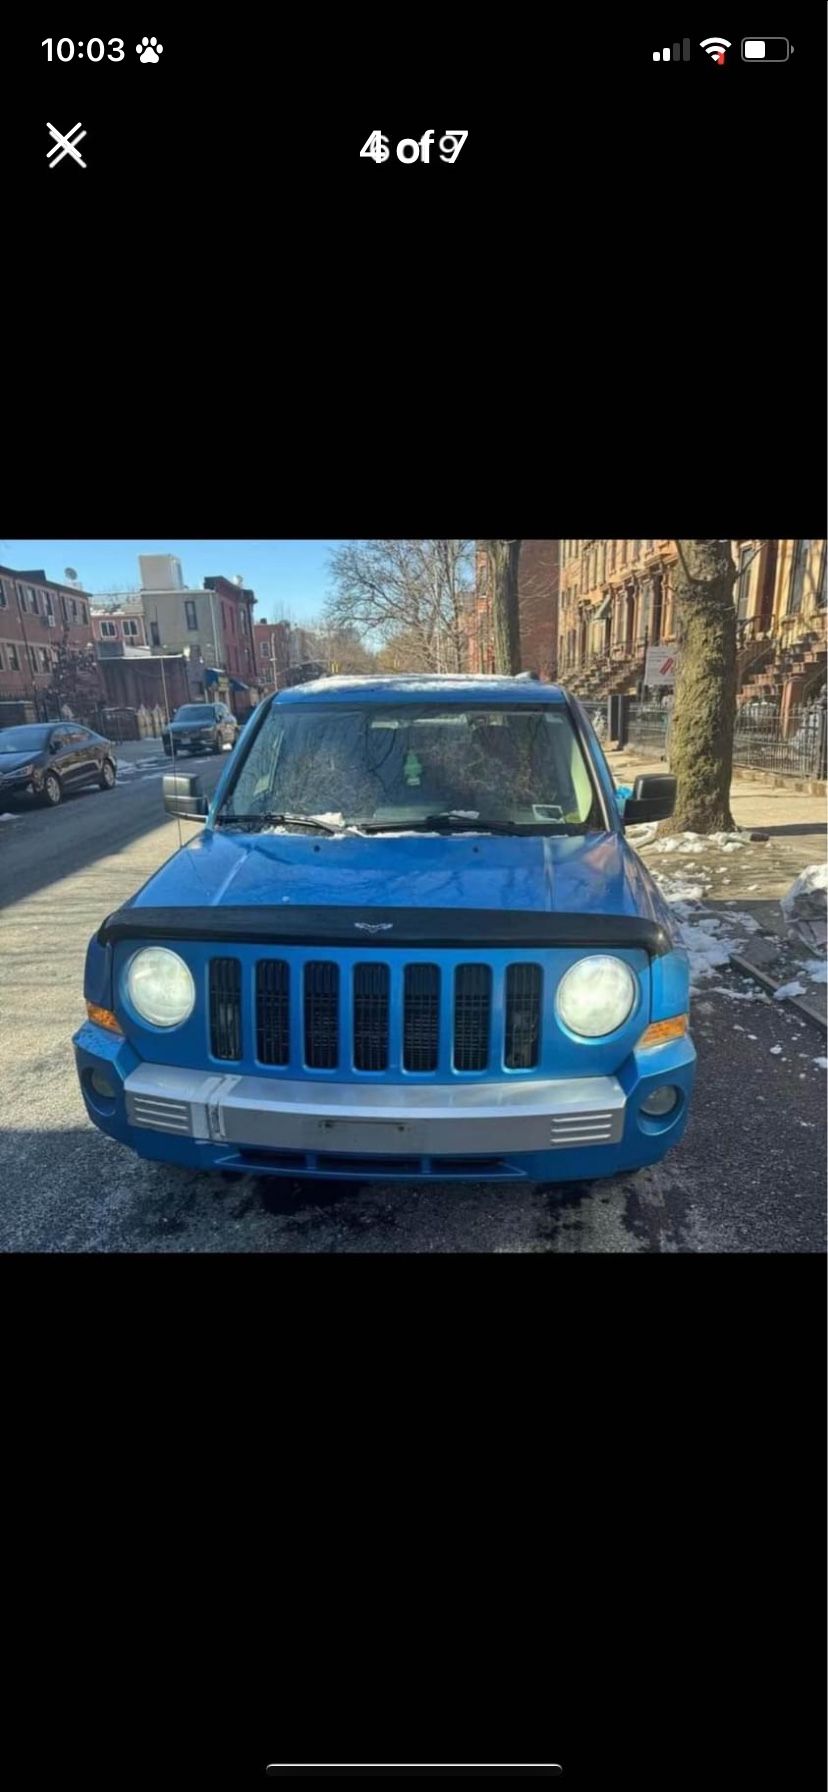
(582, 1129)
(163, 1115)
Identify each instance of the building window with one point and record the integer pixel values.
(14, 660)
(190, 612)
(74, 609)
(48, 606)
(2, 661)
(33, 659)
(108, 630)
(155, 635)
(224, 618)
(32, 599)
(84, 612)
(6, 592)
(799, 571)
(63, 607)
(44, 659)
(130, 627)
(743, 587)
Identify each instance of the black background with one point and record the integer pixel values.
(509, 1508)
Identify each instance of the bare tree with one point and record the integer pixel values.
(412, 590)
(701, 736)
(503, 559)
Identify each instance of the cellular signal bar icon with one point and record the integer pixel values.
(679, 53)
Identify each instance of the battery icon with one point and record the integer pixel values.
(765, 49)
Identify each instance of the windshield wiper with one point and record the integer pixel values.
(271, 819)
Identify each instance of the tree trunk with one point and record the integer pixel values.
(701, 735)
(503, 559)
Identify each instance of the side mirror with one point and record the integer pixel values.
(54, 743)
(183, 796)
(653, 799)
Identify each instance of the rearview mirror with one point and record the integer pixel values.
(653, 799)
(183, 796)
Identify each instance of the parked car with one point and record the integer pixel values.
(45, 759)
(201, 728)
(410, 940)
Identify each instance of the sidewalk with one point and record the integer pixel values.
(725, 890)
(131, 752)
(796, 823)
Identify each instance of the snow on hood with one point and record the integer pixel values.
(577, 874)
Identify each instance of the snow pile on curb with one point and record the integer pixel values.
(807, 898)
(698, 842)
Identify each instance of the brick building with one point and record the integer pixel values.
(119, 621)
(538, 571)
(41, 623)
(273, 648)
(213, 623)
(617, 599)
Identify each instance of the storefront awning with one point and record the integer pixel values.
(211, 676)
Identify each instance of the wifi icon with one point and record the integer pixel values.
(715, 47)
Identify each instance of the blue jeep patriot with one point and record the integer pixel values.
(410, 939)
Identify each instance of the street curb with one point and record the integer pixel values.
(802, 1006)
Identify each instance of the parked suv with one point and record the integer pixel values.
(201, 728)
(409, 940)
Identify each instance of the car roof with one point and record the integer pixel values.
(410, 687)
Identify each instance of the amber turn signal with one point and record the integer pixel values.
(103, 1018)
(662, 1030)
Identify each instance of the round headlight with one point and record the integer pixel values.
(596, 996)
(160, 987)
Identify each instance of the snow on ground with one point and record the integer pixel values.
(789, 989)
(688, 842)
(8, 817)
(821, 1063)
(817, 971)
(813, 879)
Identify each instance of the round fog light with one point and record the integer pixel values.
(662, 1101)
(102, 1085)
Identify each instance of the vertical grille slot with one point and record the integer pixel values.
(225, 1007)
(472, 1016)
(371, 985)
(523, 1011)
(421, 1016)
(321, 1015)
(272, 1011)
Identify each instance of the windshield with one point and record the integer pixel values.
(404, 766)
(195, 712)
(24, 740)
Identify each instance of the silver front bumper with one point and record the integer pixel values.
(380, 1118)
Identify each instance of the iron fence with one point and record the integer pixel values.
(648, 728)
(794, 746)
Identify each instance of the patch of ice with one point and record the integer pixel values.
(821, 1063)
(738, 995)
(788, 989)
(775, 1051)
(8, 817)
(737, 1028)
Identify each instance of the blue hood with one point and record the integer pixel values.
(597, 873)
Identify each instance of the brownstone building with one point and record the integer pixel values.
(617, 599)
(538, 573)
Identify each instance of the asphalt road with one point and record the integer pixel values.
(749, 1174)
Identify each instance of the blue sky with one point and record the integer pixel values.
(290, 578)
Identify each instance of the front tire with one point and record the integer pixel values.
(52, 792)
(108, 775)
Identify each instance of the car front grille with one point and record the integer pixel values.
(225, 1008)
(369, 1017)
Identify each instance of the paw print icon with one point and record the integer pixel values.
(149, 49)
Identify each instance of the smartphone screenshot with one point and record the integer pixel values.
(413, 949)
